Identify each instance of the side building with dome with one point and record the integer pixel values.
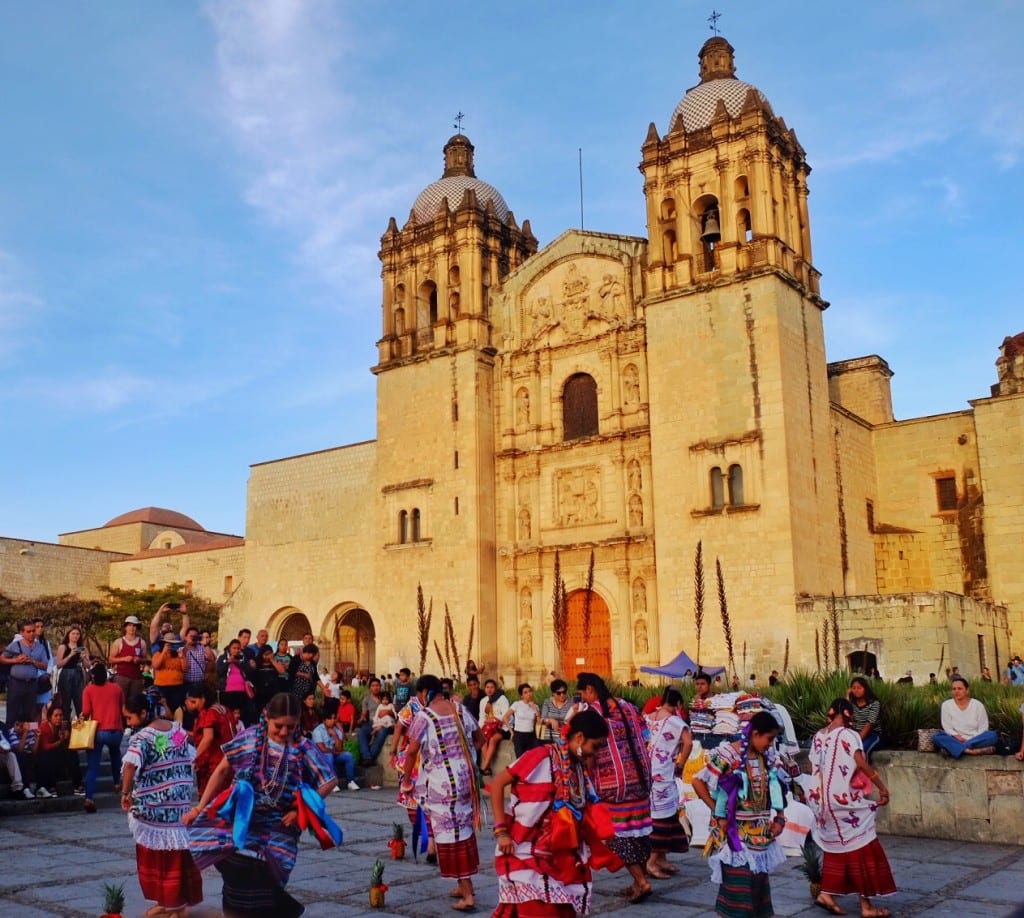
(631, 400)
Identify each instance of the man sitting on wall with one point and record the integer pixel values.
(964, 724)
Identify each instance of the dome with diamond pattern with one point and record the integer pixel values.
(459, 176)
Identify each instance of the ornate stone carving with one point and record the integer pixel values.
(634, 476)
(525, 525)
(522, 407)
(636, 511)
(640, 643)
(525, 641)
(525, 604)
(639, 596)
(630, 386)
(1010, 366)
(613, 297)
(578, 496)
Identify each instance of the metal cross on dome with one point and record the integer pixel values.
(458, 122)
(713, 19)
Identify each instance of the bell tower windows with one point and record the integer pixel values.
(710, 231)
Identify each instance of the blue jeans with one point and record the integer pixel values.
(956, 748)
(368, 751)
(344, 767)
(871, 743)
(112, 740)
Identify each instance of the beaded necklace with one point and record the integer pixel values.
(758, 782)
(274, 785)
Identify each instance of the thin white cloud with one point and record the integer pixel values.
(18, 303)
(282, 75)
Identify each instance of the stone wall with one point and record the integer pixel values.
(974, 799)
(31, 569)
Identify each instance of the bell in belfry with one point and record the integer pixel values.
(712, 232)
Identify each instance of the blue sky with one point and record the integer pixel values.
(192, 197)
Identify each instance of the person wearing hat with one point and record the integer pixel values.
(127, 655)
(169, 672)
(1014, 674)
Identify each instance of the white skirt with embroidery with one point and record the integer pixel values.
(158, 838)
(756, 861)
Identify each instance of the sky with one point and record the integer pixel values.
(192, 197)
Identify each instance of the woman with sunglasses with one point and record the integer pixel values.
(555, 711)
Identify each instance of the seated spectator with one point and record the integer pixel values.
(867, 714)
(55, 761)
(309, 717)
(329, 738)
(23, 742)
(346, 712)
(964, 724)
(493, 707)
(385, 716)
(371, 742)
(9, 740)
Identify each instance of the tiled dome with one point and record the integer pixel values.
(459, 176)
(697, 107)
(453, 188)
(718, 83)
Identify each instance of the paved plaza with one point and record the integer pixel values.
(55, 863)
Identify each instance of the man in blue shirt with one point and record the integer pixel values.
(28, 660)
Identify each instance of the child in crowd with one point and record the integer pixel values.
(385, 717)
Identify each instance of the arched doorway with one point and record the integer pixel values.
(355, 643)
(587, 651)
(294, 627)
(862, 661)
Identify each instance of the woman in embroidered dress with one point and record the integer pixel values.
(215, 725)
(621, 773)
(276, 771)
(743, 786)
(157, 787)
(533, 881)
(399, 754)
(669, 742)
(442, 734)
(854, 861)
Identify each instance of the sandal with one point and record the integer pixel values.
(658, 873)
(829, 907)
(638, 895)
(464, 906)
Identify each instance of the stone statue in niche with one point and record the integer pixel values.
(525, 641)
(636, 511)
(631, 386)
(640, 643)
(525, 527)
(399, 321)
(540, 314)
(639, 596)
(634, 476)
(613, 299)
(526, 604)
(522, 408)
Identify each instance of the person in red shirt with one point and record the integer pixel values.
(54, 760)
(347, 712)
(215, 725)
(103, 702)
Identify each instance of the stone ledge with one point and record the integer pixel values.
(975, 798)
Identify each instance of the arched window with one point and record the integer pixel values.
(671, 248)
(453, 276)
(426, 305)
(735, 486)
(579, 407)
(742, 187)
(717, 489)
(668, 209)
(403, 527)
(743, 226)
(415, 534)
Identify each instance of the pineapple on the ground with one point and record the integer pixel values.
(113, 900)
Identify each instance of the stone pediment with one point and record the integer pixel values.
(579, 287)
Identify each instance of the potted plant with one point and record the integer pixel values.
(377, 887)
(397, 843)
(811, 864)
(113, 900)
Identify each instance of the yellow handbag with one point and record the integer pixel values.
(83, 734)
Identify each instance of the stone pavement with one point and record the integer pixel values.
(55, 863)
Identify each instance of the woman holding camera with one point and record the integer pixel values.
(233, 679)
(73, 663)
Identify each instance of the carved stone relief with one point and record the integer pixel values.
(630, 386)
(636, 511)
(578, 496)
(639, 596)
(522, 407)
(640, 643)
(525, 525)
(634, 476)
(525, 604)
(525, 641)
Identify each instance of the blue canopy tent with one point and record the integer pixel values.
(676, 668)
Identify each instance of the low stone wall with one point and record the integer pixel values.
(973, 798)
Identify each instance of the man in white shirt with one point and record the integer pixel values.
(964, 724)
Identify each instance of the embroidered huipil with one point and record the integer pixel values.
(163, 789)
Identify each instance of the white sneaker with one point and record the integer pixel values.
(337, 790)
(352, 785)
(44, 793)
(27, 793)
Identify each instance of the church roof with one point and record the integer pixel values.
(718, 83)
(158, 516)
(459, 175)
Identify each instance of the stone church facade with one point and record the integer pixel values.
(628, 398)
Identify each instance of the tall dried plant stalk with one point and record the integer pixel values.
(469, 645)
(698, 597)
(423, 617)
(723, 608)
(589, 594)
(744, 658)
(833, 614)
(817, 650)
(558, 609)
(449, 632)
(440, 659)
(785, 659)
(825, 642)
